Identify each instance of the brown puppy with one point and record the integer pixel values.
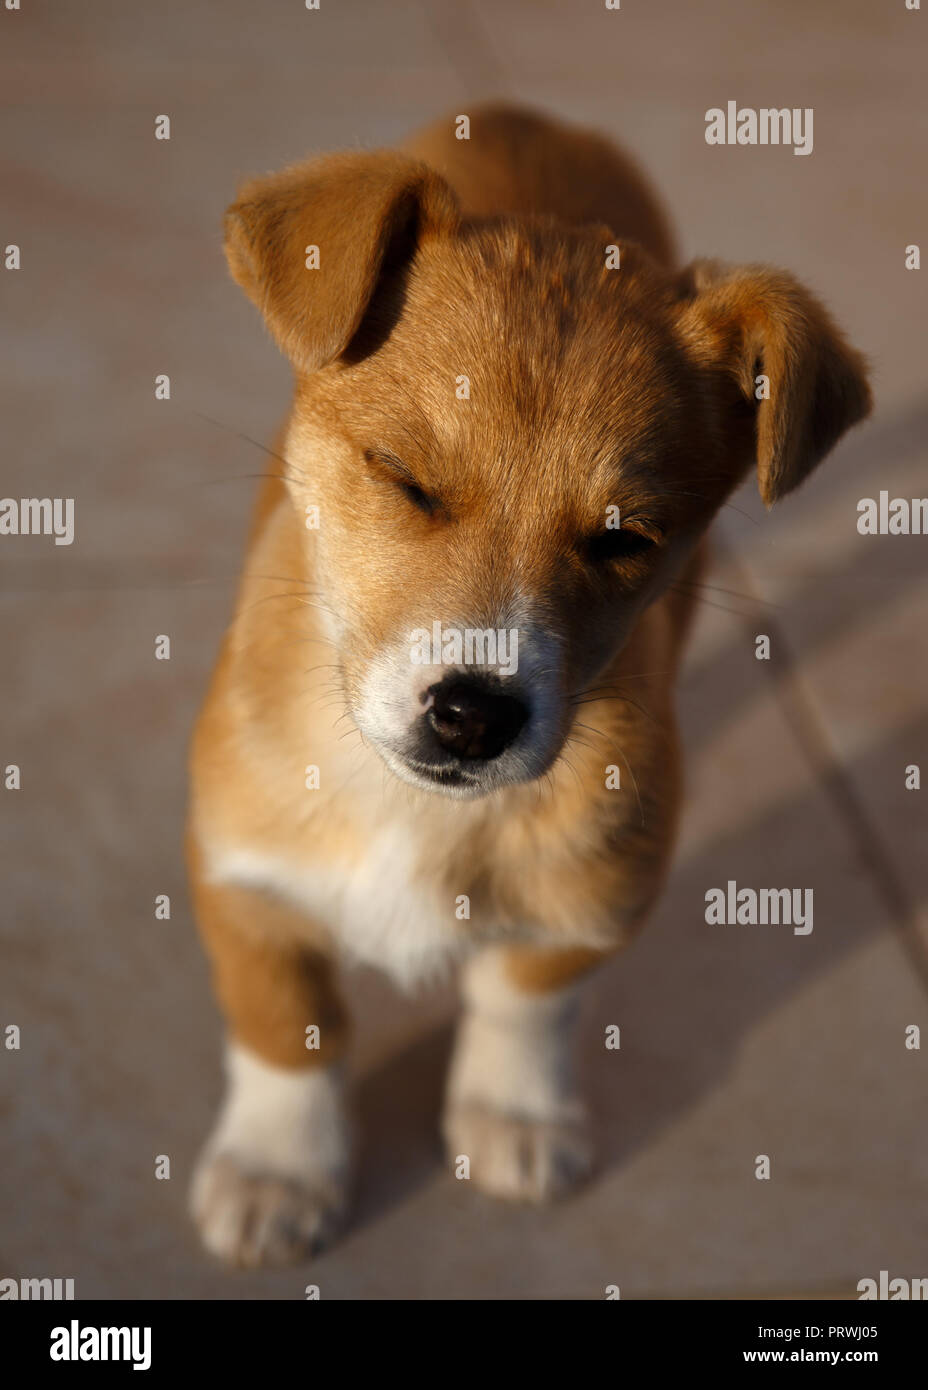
(513, 422)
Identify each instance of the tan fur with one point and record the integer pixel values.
(519, 162)
(589, 387)
(270, 986)
(533, 970)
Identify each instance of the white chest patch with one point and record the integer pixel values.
(376, 911)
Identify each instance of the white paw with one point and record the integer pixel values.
(272, 1184)
(252, 1218)
(521, 1159)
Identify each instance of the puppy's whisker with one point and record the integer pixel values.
(627, 700)
(590, 729)
(625, 676)
(239, 434)
(235, 478)
(752, 519)
(283, 579)
(588, 697)
(722, 608)
(580, 742)
(296, 598)
(734, 593)
(563, 758)
(327, 699)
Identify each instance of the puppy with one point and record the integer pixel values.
(441, 729)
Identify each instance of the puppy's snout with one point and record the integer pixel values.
(471, 720)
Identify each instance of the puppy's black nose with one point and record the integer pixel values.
(471, 720)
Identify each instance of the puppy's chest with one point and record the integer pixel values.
(387, 912)
(377, 900)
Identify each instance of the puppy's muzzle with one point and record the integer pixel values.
(470, 719)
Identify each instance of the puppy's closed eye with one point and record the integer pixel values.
(417, 496)
(389, 467)
(621, 543)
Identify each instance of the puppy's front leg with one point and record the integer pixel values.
(513, 1106)
(272, 1182)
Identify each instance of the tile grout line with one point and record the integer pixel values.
(820, 753)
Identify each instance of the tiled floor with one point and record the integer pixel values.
(735, 1041)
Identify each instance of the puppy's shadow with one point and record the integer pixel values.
(399, 1107)
(687, 996)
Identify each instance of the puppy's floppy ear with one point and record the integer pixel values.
(753, 321)
(366, 212)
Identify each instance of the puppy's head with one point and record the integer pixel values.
(515, 437)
